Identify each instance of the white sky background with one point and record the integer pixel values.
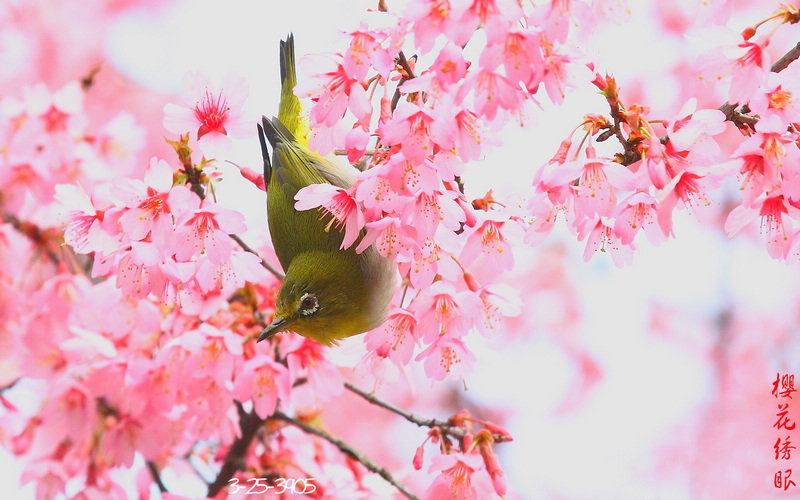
(594, 453)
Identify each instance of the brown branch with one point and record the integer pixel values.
(787, 59)
(347, 450)
(409, 75)
(193, 177)
(9, 385)
(431, 422)
(194, 174)
(41, 238)
(88, 81)
(249, 423)
(445, 427)
(264, 263)
(151, 466)
(736, 116)
(403, 63)
(629, 155)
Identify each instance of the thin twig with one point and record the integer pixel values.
(347, 450)
(88, 81)
(787, 59)
(409, 74)
(431, 422)
(446, 427)
(403, 62)
(249, 423)
(736, 116)
(9, 385)
(38, 236)
(343, 152)
(156, 476)
(264, 263)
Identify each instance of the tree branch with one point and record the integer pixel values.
(234, 460)
(446, 427)
(156, 476)
(347, 450)
(409, 74)
(787, 59)
(41, 238)
(431, 422)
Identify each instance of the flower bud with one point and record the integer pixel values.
(417, 462)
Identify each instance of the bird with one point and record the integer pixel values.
(327, 293)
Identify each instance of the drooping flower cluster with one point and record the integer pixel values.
(608, 203)
(468, 469)
(767, 164)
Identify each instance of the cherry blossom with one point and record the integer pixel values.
(205, 230)
(411, 128)
(334, 93)
(365, 51)
(447, 357)
(306, 358)
(488, 241)
(441, 310)
(213, 113)
(776, 222)
(601, 236)
(264, 381)
(462, 477)
(338, 203)
(396, 338)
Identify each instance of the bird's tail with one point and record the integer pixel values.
(290, 125)
(290, 109)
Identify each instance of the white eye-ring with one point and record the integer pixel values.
(308, 304)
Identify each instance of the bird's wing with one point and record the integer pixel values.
(294, 166)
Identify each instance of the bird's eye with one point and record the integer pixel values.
(308, 304)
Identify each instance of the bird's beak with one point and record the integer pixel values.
(276, 326)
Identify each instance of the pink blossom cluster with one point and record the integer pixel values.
(768, 160)
(408, 201)
(147, 346)
(609, 203)
(157, 238)
(472, 471)
(429, 122)
(144, 349)
(677, 163)
(443, 115)
(46, 142)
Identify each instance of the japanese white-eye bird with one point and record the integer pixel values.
(328, 293)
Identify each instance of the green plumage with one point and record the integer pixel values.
(294, 167)
(291, 110)
(328, 293)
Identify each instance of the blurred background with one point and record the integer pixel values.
(648, 382)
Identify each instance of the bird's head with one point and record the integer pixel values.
(325, 297)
